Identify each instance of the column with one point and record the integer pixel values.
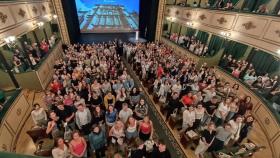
(61, 21)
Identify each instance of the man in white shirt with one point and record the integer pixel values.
(83, 119)
(125, 113)
(177, 88)
(209, 94)
(236, 127)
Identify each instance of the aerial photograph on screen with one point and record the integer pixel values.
(100, 16)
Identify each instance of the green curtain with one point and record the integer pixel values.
(215, 44)
(237, 50)
(190, 31)
(264, 62)
(202, 36)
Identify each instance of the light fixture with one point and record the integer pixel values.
(54, 16)
(171, 19)
(10, 41)
(40, 24)
(189, 23)
(278, 52)
(226, 34)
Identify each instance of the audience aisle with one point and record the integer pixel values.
(160, 125)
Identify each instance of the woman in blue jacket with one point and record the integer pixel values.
(98, 141)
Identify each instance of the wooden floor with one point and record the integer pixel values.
(25, 145)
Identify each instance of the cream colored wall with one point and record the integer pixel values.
(13, 123)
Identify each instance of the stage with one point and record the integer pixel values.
(104, 37)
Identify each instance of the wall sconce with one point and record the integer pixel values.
(171, 19)
(10, 41)
(40, 24)
(278, 52)
(226, 34)
(54, 16)
(189, 23)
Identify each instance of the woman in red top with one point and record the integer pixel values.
(55, 86)
(187, 100)
(78, 145)
(44, 46)
(159, 71)
(146, 129)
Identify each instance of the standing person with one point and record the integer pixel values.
(83, 119)
(210, 107)
(206, 139)
(246, 127)
(141, 110)
(116, 133)
(66, 114)
(125, 113)
(78, 146)
(60, 149)
(199, 113)
(111, 116)
(146, 129)
(222, 111)
(39, 115)
(173, 103)
(245, 106)
(131, 130)
(98, 141)
(98, 116)
(223, 135)
(233, 106)
(134, 97)
(53, 125)
(236, 126)
(160, 150)
(188, 119)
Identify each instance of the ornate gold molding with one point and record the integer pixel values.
(61, 21)
(222, 20)
(278, 33)
(160, 17)
(3, 17)
(249, 25)
(34, 9)
(202, 17)
(21, 12)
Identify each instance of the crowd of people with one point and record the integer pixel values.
(34, 53)
(94, 107)
(264, 84)
(191, 43)
(206, 105)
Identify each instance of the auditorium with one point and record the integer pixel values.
(140, 78)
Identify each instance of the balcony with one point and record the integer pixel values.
(255, 30)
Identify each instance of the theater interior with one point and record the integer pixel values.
(140, 78)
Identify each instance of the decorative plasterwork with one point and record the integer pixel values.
(222, 20)
(34, 9)
(43, 8)
(3, 17)
(202, 17)
(278, 33)
(188, 14)
(177, 12)
(249, 25)
(21, 12)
